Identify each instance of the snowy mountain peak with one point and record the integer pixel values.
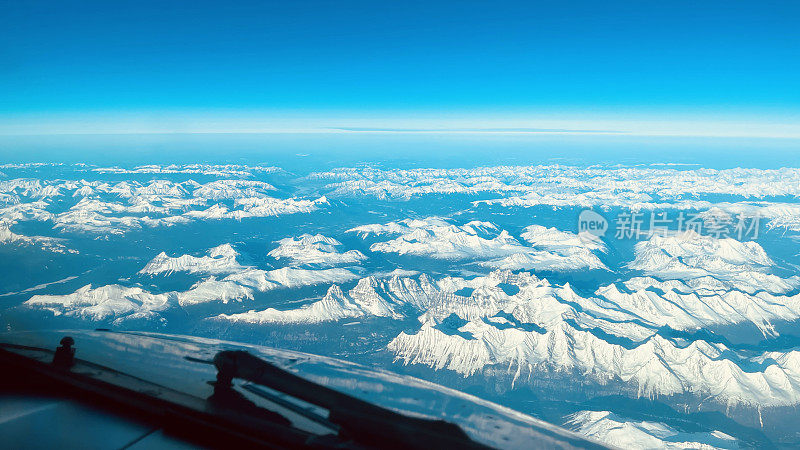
(218, 260)
(315, 250)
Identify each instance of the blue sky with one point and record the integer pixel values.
(189, 66)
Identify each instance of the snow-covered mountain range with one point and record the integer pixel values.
(475, 277)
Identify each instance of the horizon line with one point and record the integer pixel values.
(417, 131)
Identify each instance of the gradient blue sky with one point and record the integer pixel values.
(93, 66)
